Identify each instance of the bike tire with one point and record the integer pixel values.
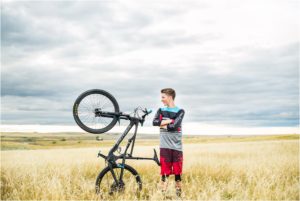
(102, 189)
(98, 94)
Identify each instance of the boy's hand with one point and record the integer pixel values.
(164, 123)
(168, 121)
(164, 126)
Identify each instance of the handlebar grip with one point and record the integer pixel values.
(147, 111)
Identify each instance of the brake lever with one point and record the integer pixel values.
(147, 111)
(143, 117)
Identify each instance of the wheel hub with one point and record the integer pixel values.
(97, 112)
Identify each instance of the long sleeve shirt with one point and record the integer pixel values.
(171, 137)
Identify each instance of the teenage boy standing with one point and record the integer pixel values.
(169, 120)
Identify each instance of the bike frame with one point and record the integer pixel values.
(111, 158)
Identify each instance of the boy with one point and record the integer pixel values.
(169, 120)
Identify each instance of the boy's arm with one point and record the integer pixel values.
(157, 118)
(157, 121)
(166, 122)
(177, 121)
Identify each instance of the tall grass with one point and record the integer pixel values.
(260, 170)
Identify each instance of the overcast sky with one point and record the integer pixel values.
(230, 62)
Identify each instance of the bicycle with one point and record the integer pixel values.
(97, 105)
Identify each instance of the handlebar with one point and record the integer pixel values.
(147, 112)
(121, 115)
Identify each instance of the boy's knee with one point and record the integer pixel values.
(177, 177)
(163, 177)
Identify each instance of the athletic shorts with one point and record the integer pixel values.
(171, 161)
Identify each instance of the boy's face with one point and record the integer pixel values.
(166, 99)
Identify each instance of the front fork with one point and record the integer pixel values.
(112, 158)
(112, 163)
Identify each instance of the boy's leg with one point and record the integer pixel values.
(177, 167)
(166, 167)
(178, 184)
(164, 182)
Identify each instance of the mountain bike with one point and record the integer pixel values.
(97, 111)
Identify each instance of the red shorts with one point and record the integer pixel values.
(171, 161)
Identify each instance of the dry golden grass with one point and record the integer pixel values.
(257, 170)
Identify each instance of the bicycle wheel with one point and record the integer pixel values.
(88, 107)
(129, 185)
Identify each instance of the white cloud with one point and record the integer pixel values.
(230, 62)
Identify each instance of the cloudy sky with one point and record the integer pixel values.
(231, 63)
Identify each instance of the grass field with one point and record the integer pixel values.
(215, 168)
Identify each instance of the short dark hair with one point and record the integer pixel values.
(169, 91)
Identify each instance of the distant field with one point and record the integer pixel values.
(27, 141)
(214, 168)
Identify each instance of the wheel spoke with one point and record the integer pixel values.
(86, 111)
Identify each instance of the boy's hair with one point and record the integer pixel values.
(169, 91)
